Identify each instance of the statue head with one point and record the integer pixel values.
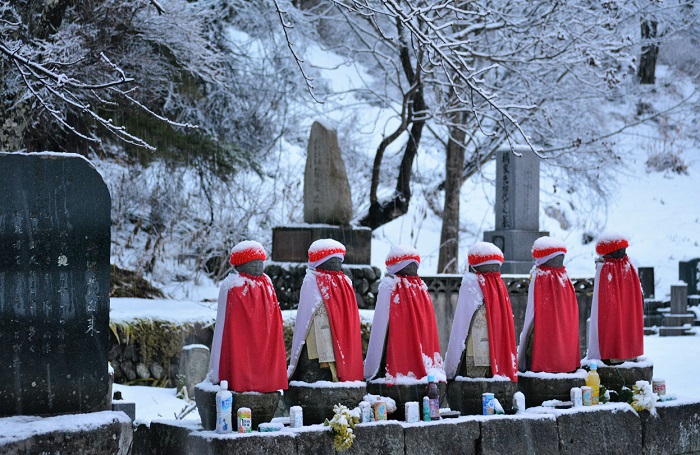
(254, 267)
(403, 260)
(485, 257)
(612, 245)
(333, 264)
(548, 251)
(248, 257)
(326, 254)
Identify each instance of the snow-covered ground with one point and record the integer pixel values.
(675, 358)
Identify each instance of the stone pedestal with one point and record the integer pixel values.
(403, 393)
(517, 209)
(291, 243)
(262, 405)
(464, 394)
(614, 377)
(540, 387)
(318, 398)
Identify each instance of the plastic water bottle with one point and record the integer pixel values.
(433, 398)
(593, 381)
(224, 404)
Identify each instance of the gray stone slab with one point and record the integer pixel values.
(518, 191)
(380, 438)
(614, 429)
(96, 433)
(675, 429)
(291, 243)
(314, 442)
(194, 365)
(54, 285)
(171, 437)
(210, 443)
(327, 196)
(442, 437)
(679, 299)
(519, 435)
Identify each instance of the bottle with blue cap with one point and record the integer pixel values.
(433, 398)
(593, 381)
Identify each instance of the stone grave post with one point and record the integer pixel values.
(689, 271)
(673, 322)
(54, 285)
(517, 209)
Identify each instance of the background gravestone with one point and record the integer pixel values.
(517, 209)
(54, 285)
(326, 189)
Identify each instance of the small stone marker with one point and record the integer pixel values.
(327, 197)
(54, 285)
(194, 364)
(674, 323)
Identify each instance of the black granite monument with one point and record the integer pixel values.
(54, 285)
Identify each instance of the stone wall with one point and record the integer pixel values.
(610, 429)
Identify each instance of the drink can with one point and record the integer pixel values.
(487, 404)
(379, 408)
(296, 417)
(245, 420)
(576, 397)
(411, 412)
(658, 385)
(587, 395)
(365, 412)
(426, 409)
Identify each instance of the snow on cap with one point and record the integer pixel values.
(611, 241)
(246, 251)
(400, 256)
(323, 249)
(545, 248)
(482, 253)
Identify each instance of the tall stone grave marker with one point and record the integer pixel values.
(54, 285)
(517, 209)
(326, 189)
(327, 206)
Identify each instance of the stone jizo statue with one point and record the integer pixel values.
(404, 339)
(616, 331)
(327, 342)
(482, 340)
(549, 341)
(248, 346)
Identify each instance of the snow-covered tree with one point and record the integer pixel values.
(475, 76)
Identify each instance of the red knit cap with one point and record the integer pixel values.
(323, 248)
(544, 246)
(482, 252)
(400, 253)
(246, 251)
(611, 241)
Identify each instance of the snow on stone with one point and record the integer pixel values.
(480, 249)
(400, 252)
(325, 245)
(548, 243)
(247, 245)
(611, 236)
(19, 428)
(580, 374)
(328, 384)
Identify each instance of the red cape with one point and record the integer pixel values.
(253, 357)
(620, 310)
(412, 329)
(341, 306)
(555, 334)
(499, 316)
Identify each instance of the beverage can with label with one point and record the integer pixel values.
(245, 420)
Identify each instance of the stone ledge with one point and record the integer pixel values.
(613, 428)
(89, 433)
